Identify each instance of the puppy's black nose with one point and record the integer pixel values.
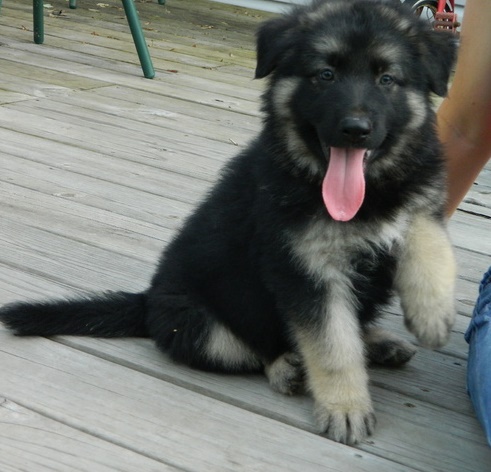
(355, 128)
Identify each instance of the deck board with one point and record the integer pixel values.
(27, 433)
(189, 430)
(99, 167)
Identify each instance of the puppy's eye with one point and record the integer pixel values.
(386, 79)
(326, 74)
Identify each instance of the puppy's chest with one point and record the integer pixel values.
(327, 249)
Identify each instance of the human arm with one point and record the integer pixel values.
(464, 117)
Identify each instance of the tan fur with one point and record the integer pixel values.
(336, 374)
(282, 96)
(425, 282)
(343, 406)
(224, 348)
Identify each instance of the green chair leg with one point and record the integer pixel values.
(133, 22)
(38, 20)
(139, 38)
(73, 3)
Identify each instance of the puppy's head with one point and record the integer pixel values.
(347, 79)
(277, 39)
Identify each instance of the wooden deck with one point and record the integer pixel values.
(98, 167)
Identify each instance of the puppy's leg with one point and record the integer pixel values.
(191, 335)
(385, 348)
(222, 348)
(336, 373)
(425, 281)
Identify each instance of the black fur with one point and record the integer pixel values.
(234, 262)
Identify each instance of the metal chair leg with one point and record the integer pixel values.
(137, 33)
(133, 22)
(38, 20)
(139, 38)
(73, 3)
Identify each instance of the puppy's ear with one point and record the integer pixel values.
(439, 56)
(273, 42)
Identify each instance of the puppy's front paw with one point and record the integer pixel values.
(431, 323)
(342, 405)
(345, 425)
(425, 280)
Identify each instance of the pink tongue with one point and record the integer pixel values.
(343, 188)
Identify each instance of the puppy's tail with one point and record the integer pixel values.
(112, 314)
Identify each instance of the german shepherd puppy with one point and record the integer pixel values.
(309, 231)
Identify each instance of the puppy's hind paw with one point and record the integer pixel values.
(286, 374)
(385, 348)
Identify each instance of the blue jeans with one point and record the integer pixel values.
(478, 335)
